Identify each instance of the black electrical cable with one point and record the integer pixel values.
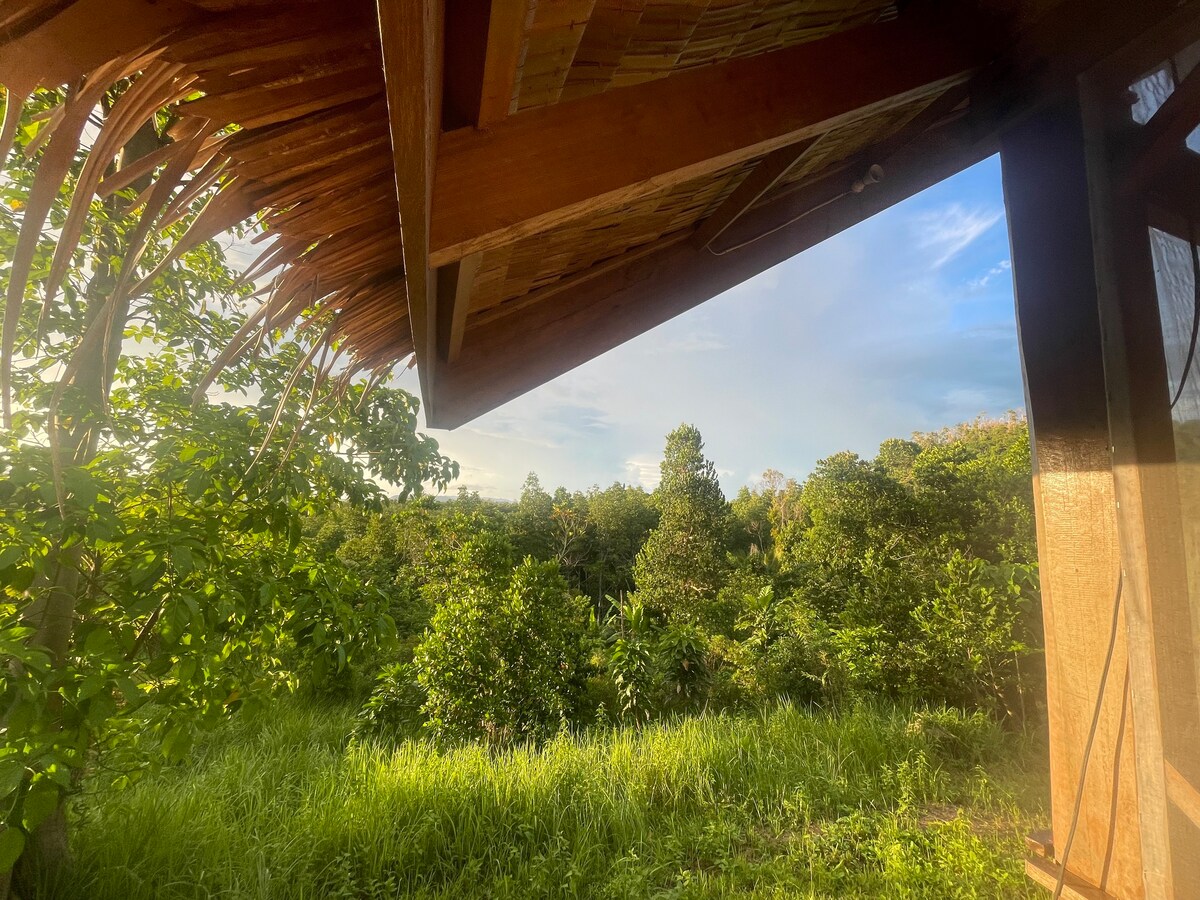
(1191, 354)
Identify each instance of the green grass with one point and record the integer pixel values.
(868, 803)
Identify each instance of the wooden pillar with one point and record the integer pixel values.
(1046, 195)
(1162, 627)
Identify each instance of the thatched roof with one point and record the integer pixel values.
(507, 188)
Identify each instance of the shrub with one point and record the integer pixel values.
(976, 629)
(630, 662)
(784, 649)
(505, 665)
(394, 707)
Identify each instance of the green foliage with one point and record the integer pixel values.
(631, 661)
(531, 523)
(682, 564)
(978, 628)
(503, 664)
(154, 568)
(784, 649)
(393, 708)
(619, 518)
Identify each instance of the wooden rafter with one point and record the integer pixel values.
(553, 165)
(515, 353)
(506, 28)
(410, 34)
(765, 176)
(455, 282)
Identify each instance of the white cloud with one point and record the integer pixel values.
(1001, 268)
(948, 231)
(643, 471)
(854, 341)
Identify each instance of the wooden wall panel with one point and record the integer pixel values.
(1046, 193)
(1162, 629)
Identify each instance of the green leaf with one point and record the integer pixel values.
(41, 801)
(10, 555)
(177, 743)
(197, 484)
(12, 771)
(99, 642)
(91, 686)
(12, 844)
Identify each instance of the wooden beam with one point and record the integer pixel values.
(1071, 38)
(466, 39)
(1150, 521)
(411, 35)
(1174, 197)
(1062, 360)
(1161, 140)
(1032, 75)
(514, 354)
(764, 177)
(455, 282)
(556, 164)
(506, 32)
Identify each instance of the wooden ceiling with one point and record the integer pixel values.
(508, 188)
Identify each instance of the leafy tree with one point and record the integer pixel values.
(750, 512)
(504, 664)
(979, 627)
(852, 508)
(619, 519)
(682, 564)
(154, 572)
(783, 650)
(974, 480)
(569, 535)
(531, 522)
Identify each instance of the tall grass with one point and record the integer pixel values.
(868, 803)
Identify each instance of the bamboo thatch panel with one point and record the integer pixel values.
(282, 105)
(523, 267)
(309, 150)
(580, 47)
(842, 144)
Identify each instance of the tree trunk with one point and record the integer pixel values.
(43, 866)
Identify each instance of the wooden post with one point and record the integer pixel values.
(1162, 628)
(1046, 194)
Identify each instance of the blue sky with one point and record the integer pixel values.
(903, 323)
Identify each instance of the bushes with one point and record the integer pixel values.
(505, 665)
(906, 576)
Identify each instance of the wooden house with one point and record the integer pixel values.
(503, 189)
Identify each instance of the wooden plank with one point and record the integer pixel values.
(1158, 615)
(764, 176)
(1058, 325)
(556, 164)
(506, 31)
(515, 354)
(455, 282)
(411, 36)
(1040, 843)
(1183, 794)
(1045, 873)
